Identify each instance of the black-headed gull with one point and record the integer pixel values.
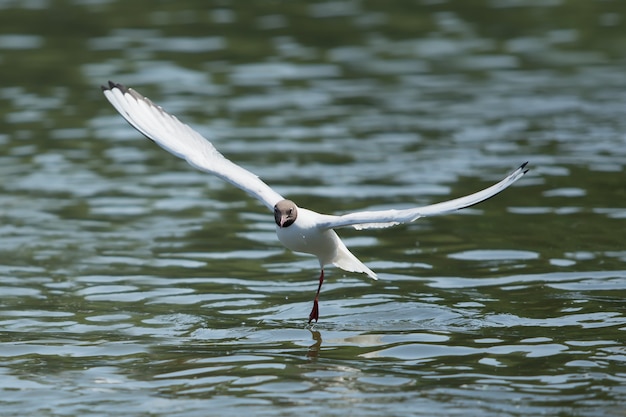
(299, 229)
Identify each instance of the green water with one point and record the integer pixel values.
(132, 284)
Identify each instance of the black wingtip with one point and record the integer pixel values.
(524, 166)
(113, 85)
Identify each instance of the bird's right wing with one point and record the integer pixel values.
(386, 218)
(181, 140)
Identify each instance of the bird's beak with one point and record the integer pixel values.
(283, 220)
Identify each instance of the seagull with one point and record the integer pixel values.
(299, 229)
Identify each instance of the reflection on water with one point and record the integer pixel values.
(129, 281)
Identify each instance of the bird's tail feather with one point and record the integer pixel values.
(345, 260)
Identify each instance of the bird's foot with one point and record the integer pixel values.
(315, 312)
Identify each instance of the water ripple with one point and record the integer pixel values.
(130, 281)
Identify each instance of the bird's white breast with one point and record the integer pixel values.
(305, 236)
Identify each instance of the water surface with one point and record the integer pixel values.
(130, 282)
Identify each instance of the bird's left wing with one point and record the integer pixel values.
(386, 218)
(181, 140)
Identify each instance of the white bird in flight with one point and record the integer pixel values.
(299, 229)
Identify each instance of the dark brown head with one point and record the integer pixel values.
(285, 213)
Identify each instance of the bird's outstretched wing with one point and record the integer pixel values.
(386, 218)
(181, 140)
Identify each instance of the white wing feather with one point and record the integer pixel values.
(181, 140)
(386, 218)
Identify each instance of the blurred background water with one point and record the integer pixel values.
(131, 283)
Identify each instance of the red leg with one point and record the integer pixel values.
(315, 312)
